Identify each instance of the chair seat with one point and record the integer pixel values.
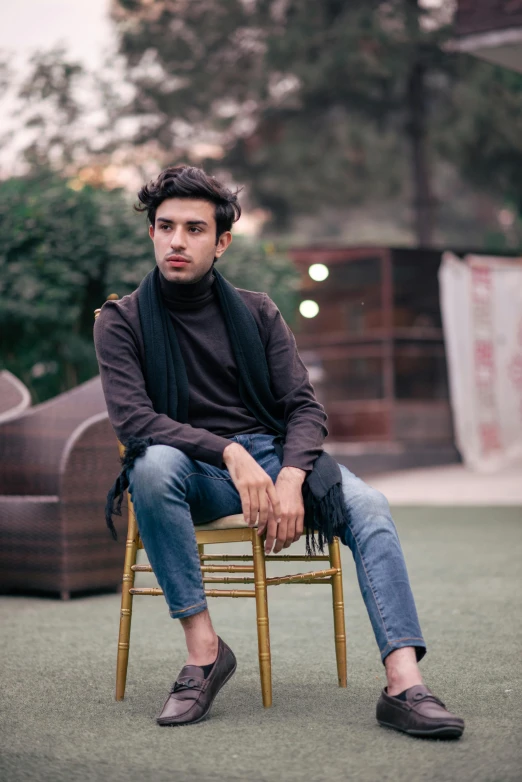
(225, 522)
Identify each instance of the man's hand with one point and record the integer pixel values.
(256, 488)
(288, 486)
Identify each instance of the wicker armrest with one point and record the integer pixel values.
(32, 445)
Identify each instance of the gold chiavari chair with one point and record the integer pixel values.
(233, 529)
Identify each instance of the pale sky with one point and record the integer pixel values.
(81, 25)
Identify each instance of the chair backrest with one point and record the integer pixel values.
(110, 297)
(14, 396)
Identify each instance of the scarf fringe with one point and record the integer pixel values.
(135, 448)
(327, 517)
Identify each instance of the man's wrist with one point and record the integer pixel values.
(229, 450)
(293, 473)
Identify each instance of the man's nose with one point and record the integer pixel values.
(178, 238)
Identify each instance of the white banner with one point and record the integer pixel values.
(481, 302)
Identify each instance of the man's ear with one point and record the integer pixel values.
(223, 242)
(151, 231)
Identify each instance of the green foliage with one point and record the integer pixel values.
(485, 118)
(261, 266)
(62, 251)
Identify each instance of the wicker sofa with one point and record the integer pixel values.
(14, 396)
(57, 461)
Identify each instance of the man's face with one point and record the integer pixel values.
(184, 237)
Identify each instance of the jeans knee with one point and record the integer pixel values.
(369, 504)
(158, 468)
(363, 501)
(377, 503)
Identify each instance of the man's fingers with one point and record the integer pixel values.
(270, 516)
(299, 528)
(271, 532)
(254, 507)
(263, 507)
(245, 504)
(280, 535)
(274, 501)
(290, 533)
(273, 516)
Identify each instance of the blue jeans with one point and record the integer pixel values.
(172, 493)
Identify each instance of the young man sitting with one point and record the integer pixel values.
(205, 387)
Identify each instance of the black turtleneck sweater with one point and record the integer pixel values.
(207, 353)
(216, 411)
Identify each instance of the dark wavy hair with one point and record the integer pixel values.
(185, 181)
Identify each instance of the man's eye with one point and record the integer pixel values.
(164, 227)
(194, 229)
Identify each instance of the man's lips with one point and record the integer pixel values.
(176, 260)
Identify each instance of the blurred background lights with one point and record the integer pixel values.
(308, 308)
(318, 272)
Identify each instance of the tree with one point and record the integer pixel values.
(301, 95)
(485, 118)
(48, 111)
(317, 107)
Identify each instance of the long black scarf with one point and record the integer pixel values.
(167, 386)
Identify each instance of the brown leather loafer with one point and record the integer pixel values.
(192, 695)
(421, 714)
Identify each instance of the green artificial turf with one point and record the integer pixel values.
(60, 722)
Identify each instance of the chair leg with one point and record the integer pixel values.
(338, 612)
(126, 605)
(263, 633)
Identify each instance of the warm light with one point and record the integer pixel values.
(318, 272)
(309, 308)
